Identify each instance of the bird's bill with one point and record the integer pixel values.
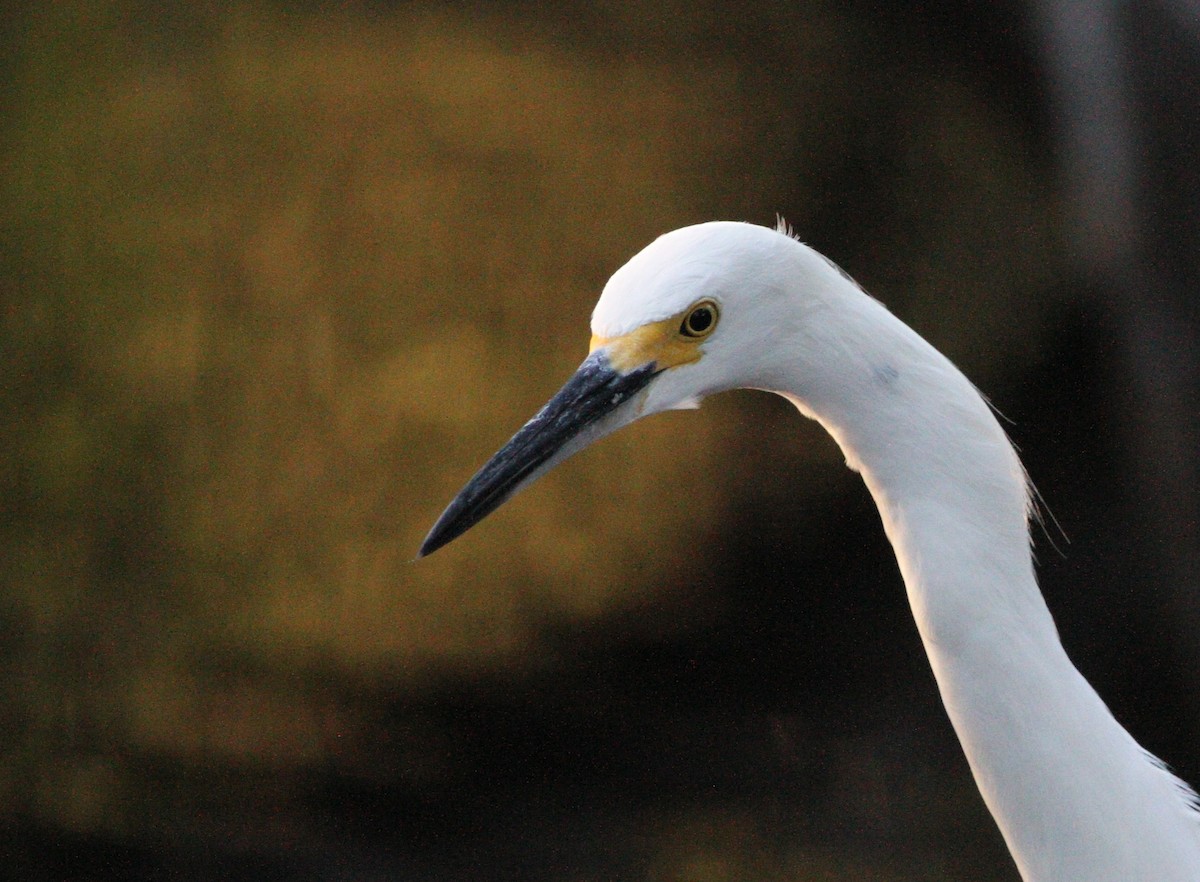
(594, 402)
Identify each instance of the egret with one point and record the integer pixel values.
(728, 305)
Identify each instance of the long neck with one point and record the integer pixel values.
(1075, 797)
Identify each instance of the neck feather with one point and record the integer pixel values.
(1075, 797)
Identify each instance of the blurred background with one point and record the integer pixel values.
(277, 278)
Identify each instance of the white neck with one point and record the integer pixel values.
(1076, 798)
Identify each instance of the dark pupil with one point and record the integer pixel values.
(698, 322)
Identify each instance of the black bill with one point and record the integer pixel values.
(568, 422)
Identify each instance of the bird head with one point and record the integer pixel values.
(684, 318)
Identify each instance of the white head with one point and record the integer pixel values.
(759, 285)
(698, 311)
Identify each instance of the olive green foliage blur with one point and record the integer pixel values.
(276, 283)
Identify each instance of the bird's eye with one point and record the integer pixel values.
(700, 320)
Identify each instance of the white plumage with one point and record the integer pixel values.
(728, 305)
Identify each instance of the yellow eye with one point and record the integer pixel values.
(700, 320)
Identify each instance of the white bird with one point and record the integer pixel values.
(730, 305)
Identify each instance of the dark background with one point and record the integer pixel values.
(278, 277)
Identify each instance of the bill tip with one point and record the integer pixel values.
(437, 537)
